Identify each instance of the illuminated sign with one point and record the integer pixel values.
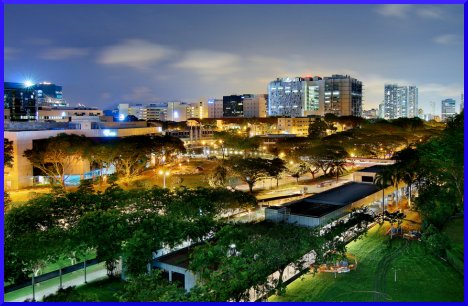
(109, 133)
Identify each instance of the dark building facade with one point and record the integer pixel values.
(48, 94)
(233, 106)
(19, 101)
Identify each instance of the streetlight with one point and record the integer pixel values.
(164, 174)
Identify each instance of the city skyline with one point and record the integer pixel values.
(105, 55)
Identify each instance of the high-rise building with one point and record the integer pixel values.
(343, 96)
(246, 106)
(19, 101)
(462, 102)
(215, 108)
(370, 114)
(49, 95)
(412, 110)
(233, 106)
(298, 97)
(285, 97)
(255, 106)
(176, 111)
(198, 109)
(448, 109)
(400, 101)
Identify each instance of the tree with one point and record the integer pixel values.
(238, 141)
(152, 288)
(383, 180)
(396, 176)
(325, 157)
(298, 170)
(56, 156)
(104, 232)
(7, 153)
(275, 168)
(409, 164)
(219, 177)
(318, 129)
(249, 169)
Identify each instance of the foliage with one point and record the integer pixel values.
(151, 288)
(259, 251)
(56, 156)
(318, 129)
(238, 141)
(219, 177)
(132, 223)
(435, 242)
(7, 153)
(249, 169)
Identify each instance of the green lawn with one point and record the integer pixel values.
(100, 291)
(420, 276)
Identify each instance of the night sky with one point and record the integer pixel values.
(108, 54)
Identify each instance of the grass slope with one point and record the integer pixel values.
(420, 276)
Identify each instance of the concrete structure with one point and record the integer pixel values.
(448, 109)
(462, 102)
(412, 109)
(198, 110)
(367, 175)
(342, 96)
(400, 101)
(371, 113)
(48, 94)
(298, 126)
(175, 267)
(294, 97)
(245, 106)
(298, 97)
(320, 209)
(20, 101)
(66, 114)
(215, 108)
(21, 175)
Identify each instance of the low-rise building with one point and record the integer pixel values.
(24, 134)
(298, 126)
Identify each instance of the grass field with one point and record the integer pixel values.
(420, 276)
(100, 291)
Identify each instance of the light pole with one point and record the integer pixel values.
(164, 173)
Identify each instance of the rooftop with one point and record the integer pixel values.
(343, 195)
(179, 258)
(325, 202)
(373, 169)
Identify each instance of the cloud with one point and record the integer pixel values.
(430, 12)
(63, 53)
(141, 94)
(447, 39)
(10, 53)
(394, 10)
(210, 63)
(405, 10)
(135, 53)
(441, 90)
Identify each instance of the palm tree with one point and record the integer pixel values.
(382, 180)
(408, 161)
(396, 176)
(339, 167)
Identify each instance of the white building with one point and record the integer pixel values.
(400, 101)
(21, 174)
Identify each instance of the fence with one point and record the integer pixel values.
(35, 280)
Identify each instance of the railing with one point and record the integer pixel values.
(34, 280)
